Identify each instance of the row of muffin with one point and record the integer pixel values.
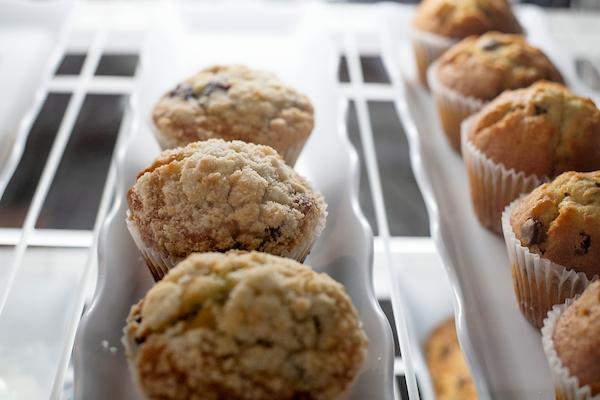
(517, 130)
(223, 223)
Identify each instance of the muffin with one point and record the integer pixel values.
(218, 196)
(523, 138)
(235, 103)
(439, 24)
(571, 338)
(478, 69)
(244, 326)
(553, 241)
(447, 365)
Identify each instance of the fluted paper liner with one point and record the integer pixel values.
(539, 283)
(159, 264)
(428, 47)
(567, 386)
(453, 107)
(492, 185)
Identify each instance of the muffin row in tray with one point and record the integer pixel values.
(223, 223)
(531, 149)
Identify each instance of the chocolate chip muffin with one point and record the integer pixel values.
(439, 24)
(246, 326)
(571, 337)
(218, 196)
(447, 365)
(478, 69)
(553, 237)
(523, 138)
(235, 103)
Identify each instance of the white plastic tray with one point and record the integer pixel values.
(503, 350)
(303, 57)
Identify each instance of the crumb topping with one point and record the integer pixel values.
(217, 196)
(244, 326)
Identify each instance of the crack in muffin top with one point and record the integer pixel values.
(217, 196)
(244, 326)
(542, 130)
(461, 18)
(233, 103)
(560, 221)
(484, 66)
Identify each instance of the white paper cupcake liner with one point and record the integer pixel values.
(158, 263)
(428, 47)
(566, 386)
(492, 185)
(453, 107)
(539, 283)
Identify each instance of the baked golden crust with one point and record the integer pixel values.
(447, 365)
(484, 66)
(461, 18)
(542, 130)
(577, 338)
(560, 221)
(244, 326)
(234, 103)
(217, 196)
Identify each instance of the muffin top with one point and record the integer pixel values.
(560, 221)
(577, 338)
(244, 326)
(233, 102)
(461, 18)
(447, 365)
(217, 196)
(484, 66)
(542, 130)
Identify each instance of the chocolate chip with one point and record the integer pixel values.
(317, 322)
(214, 86)
(532, 232)
(183, 90)
(566, 194)
(539, 110)
(584, 244)
(597, 184)
(139, 340)
(274, 233)
(264, 343)
(139, 319)
(491, 45)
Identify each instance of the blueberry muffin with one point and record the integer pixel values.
(523, 138)
(571, 338)
(478, 69)
(235, 103)
(553, 237)
(245, 326)
(447, 365)
(439, 24)
(218, 196)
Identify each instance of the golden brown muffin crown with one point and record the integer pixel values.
(484, 66)
(217, 196)
(560, 221)
(244, 326)
(541, 130)
(577, 338)
(461, 18)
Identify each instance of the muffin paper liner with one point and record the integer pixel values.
(428, 47)
(158, 263)
(539, 283)
(452, 107)
(566, 386)
(289, 156)
(492, 185)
